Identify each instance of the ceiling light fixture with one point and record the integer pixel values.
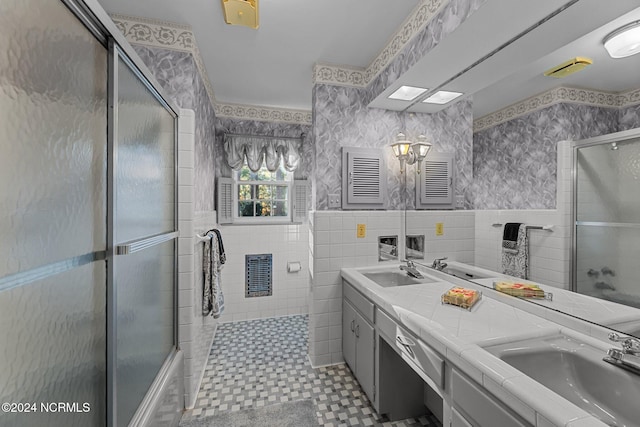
(407, 93)
(241, 12)
(623, 42)
(442, 97)
(410, 153)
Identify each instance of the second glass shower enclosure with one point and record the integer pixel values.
(606, 217)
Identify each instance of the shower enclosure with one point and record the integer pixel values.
(88, 220)
(606, 217)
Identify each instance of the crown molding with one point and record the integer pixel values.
(167, 35)
(557, 96)
(342, 75)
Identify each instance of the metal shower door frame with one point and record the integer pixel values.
(575, 146)
(98, 22)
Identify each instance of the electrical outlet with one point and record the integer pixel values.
(460, 202)
(334, 201)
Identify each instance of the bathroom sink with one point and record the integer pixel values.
(388, 279)
(576, 371)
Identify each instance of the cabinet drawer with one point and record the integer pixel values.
(458, 420)
(479, 406)
(358, 300)
(386, 325)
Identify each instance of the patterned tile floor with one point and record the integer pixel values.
(257, 363)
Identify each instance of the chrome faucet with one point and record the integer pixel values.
(411, 269)
(438, 264)
(628, 357)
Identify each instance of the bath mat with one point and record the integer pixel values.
(300, 413)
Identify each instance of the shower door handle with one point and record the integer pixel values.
(141, 244)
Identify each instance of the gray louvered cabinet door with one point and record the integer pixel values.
(364, 178)
(225, 200)
(436, 182)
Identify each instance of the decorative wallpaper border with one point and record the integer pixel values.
(347, 76)
(253, 112)
(556, 96)
(167, 35)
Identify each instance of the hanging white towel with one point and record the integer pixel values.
(515, 261)
(212, 297)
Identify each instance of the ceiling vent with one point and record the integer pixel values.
(566, 68)
(241, 12)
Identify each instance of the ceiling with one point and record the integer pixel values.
(272, 66)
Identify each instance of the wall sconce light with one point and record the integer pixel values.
(410, 153)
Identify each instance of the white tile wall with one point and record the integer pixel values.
(195, 332)
(333, 245)
(549, 252)
(287, 243)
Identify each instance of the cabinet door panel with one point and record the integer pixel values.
(348, 336)
(365, 337)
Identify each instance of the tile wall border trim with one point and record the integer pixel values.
(168, 35)
(343, 75)
(557, 96)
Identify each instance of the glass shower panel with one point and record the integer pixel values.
(53, 347)
(145, 304)
(608, 221)
(145, 166)
(608, 183)
(53, 82)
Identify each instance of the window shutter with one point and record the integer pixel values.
(299, 200)
(363, 178)
(436, 183)
(225, 200)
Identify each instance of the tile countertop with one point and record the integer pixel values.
(458, 334)
(595, 310)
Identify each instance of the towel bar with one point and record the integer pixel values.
(548, 227)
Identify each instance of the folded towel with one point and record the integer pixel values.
(515, 261)
(510, 235)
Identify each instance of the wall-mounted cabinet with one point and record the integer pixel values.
(364, 178)
(435, 184)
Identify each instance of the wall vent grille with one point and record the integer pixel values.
(259, 274)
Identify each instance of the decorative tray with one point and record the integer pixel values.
(461, 297)
(522, 290)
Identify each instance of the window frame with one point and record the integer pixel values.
(288, 183)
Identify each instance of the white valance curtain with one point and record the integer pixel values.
(272, 151)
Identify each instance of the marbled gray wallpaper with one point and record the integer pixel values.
(514, 163)
(179, 77)
(629, 117)
(341, 118)
(449, 18)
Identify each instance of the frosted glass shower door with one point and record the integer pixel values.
(607, 226)
(145, 237)
(53, 157)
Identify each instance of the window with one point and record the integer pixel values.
(263, 194)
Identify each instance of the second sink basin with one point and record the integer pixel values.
(576, 371)
(395, 278)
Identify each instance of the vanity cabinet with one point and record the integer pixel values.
(358, 338)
